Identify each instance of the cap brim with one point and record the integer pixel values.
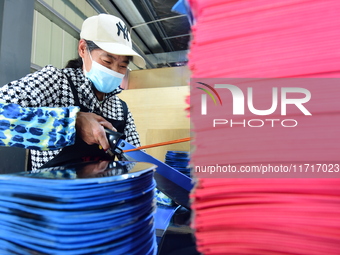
(119, 49)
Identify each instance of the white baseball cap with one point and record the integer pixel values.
(110, 34)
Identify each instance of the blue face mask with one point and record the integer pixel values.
(104, 79)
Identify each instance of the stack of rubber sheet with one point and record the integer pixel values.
(93, 208)
(178, 160)
(264, 39)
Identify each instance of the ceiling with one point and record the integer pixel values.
(159, 34)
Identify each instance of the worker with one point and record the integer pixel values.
(91, 83)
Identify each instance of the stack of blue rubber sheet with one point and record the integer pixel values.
(94, 208)
(178, 160)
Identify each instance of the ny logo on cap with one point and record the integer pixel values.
(123, 30)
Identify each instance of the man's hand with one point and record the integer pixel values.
(90, 127)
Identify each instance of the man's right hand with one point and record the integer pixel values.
(90, 127)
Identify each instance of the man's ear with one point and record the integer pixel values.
(82, 48)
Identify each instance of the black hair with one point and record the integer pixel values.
(78, 62)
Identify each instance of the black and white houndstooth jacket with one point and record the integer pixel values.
(49, 87)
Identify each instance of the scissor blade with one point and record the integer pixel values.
(126, 157)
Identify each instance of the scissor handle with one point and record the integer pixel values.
(113, 138)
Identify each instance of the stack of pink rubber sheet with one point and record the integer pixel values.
(265, 114)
